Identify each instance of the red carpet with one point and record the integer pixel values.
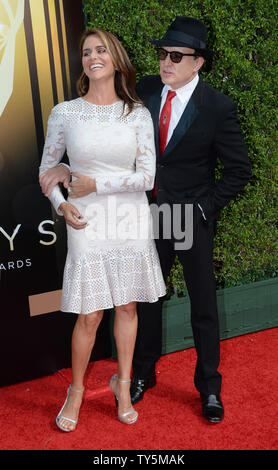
(169, 415)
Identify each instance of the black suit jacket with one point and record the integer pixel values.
(208, 129)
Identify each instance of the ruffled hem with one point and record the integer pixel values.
(103, 279)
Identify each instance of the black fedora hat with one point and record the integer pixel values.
(186, 32)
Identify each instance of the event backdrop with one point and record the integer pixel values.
(39, 66)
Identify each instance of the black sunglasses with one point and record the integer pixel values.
(175, 56)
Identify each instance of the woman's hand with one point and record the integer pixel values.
(53, 176)
(82, 185)
(71, 215)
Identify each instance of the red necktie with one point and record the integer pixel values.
(164, 122)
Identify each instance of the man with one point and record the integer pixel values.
(194, 125)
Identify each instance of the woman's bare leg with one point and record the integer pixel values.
(83, 340)
(125, 331)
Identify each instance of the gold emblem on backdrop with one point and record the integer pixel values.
(34, 65)
(10, 23)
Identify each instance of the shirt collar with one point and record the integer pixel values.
(183, 92)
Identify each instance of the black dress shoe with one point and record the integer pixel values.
(212, 407)
(139, 386)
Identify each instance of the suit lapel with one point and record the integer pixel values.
(183, 125)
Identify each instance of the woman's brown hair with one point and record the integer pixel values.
(125, 76)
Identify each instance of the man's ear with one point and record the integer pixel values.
(199, 62)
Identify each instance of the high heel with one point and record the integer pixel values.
(123, 416)
(59, 416)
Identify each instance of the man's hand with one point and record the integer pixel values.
(71, 214)
(82, 185)
(53, 176)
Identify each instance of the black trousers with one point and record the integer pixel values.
(197, 264)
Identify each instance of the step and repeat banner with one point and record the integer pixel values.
(39, 66)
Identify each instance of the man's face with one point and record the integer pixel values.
(178, 75)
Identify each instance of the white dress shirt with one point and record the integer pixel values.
(179, 102)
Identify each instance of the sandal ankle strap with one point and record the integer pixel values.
(75, 390)
(124, 381)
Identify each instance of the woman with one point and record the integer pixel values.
(108, 135)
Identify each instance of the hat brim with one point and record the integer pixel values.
(206, 53)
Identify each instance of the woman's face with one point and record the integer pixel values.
(96, 61)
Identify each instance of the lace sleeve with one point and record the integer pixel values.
(54, 149)
(142, 179)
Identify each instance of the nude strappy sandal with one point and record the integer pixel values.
(123, 417)
(60, 416)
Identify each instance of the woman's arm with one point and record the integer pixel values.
(142, 179)
(54, 149)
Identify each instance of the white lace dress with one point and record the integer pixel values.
(112, 261)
